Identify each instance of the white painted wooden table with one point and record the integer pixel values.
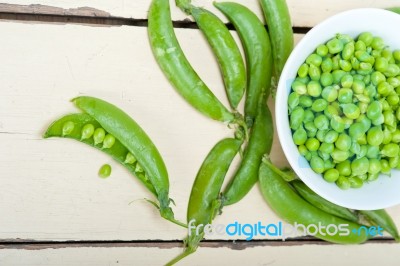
(54, 210)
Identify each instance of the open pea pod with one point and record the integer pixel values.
(117, 134)
(118, 151)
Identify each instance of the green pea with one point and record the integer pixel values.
(337, 124)
(331, 175)
(327, 65)
(393, 100)
(381, 64)
(331, 136)
(362, 140)
(363, 177)
(344, 168)
(68, 127)
(321, 122)
(387, 136)
(326, 79)
(326, 147)
(105, 171)
(363, 151)
(324, 156)
(302, 150)
(384, 88)
(312, 144)
(317, 164)
(344, 38)
(363, 107)
(377, 43)
(372, 151)
(373, 177)
(385, 167)
(367, 79)
(362, 56)
(370, 91)
(355, 148)
(358, 86)
(339, 155)
(348, 51)
(394, 161)
(396, 136)
(139, 168)
(355, 182)
(328, 164)
(376, 53)
(345, 65)
(374, 166)
(87, 131)
(379, 121)
(296, 118)
(303, 70)
(396, 55)
(314, 59)
(314, 72)
(364, 66)
(343, 142)
(347, 81)
(99, 135)
(300, 136)
(374, 110)
(351, 110)
(330, 110)
(377, 77)
(395, 82)
(375, 136)
(387, 54)
(308, 156)
(360, 46)
(311, 129)
(293, 100)
(322, 50)
(319, 105)
(308, 116)
(299, 87)
(334, 46)
(314, 88)
(130, 159)
(109, 141)
(366, 37)
(389, 118)
(360, 166)
(305, 101)
(338, 75)
(343, 183)
(390, 150)
(364, 121)
(304, 80)
(355, 64)
(392, 70)
(345, 95)
(347, 122)
(329, 93)
(321, 134)
(335, 62)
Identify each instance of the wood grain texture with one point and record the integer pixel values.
(305, 13)
(328, 255)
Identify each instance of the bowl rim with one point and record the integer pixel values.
(281, 110)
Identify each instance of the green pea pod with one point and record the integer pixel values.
(177, 68)
(260, 143)
(258, 53)
(204, 201)
(322, 204)
(227, 53)
(292, 208)
(394, 9)
(276, 13)
(138, 143)
(383, 219)
(118, 151)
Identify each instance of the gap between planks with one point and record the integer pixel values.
(86, 16)
(234, 245)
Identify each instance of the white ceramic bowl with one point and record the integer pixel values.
(385, 191)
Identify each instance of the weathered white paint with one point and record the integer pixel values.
(305, 13)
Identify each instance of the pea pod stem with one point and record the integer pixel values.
(289, 206)
(260, 142)
(276, 13)
(257, 47)
(176, 67)
(225, 49)
(286, 175)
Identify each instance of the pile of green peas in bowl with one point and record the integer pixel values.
(344, 109)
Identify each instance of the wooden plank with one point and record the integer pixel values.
(305, 13)
(329, 255)
(50, 188)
